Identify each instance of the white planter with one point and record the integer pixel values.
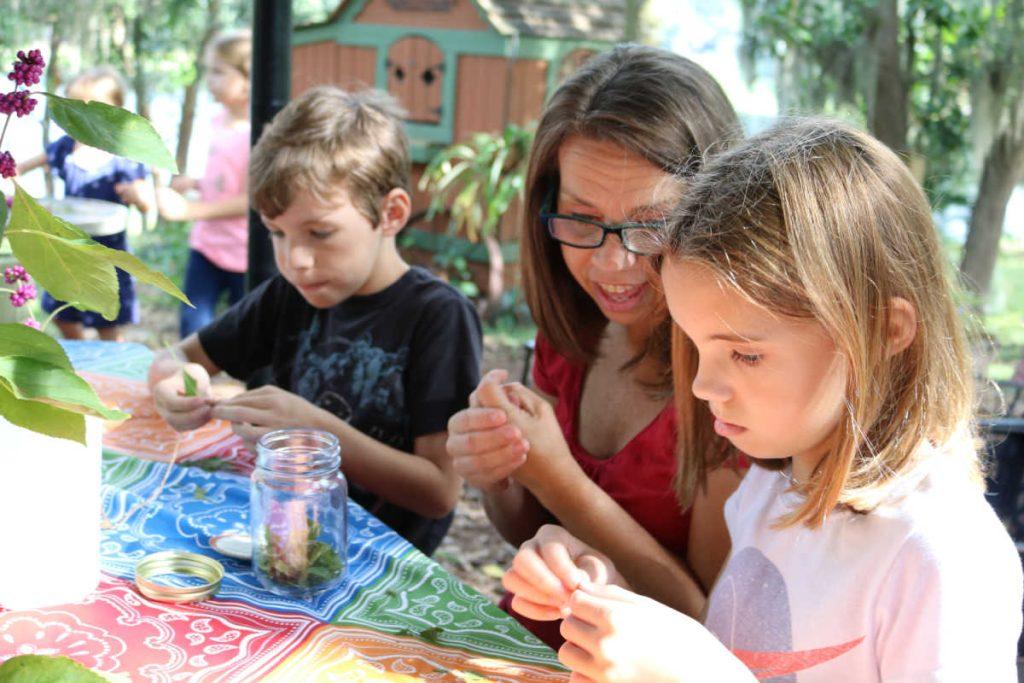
(49, 516)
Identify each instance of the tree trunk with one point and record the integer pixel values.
(1003, 169)
(53, 81)
(188, 105)
(888, 105)
(138, 49)
(495, 275)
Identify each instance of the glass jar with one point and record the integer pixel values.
(299, 512)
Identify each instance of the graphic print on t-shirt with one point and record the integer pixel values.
(355, 380)
(749, 612)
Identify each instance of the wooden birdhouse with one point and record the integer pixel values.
(457, 66)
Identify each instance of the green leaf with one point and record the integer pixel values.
(30, 379)
(3, 215)
(190, 383)
(42, 418)
(69, 264)
(45, 245)
(46, 669)
(111, 129)
(17, 339)
(432, 634)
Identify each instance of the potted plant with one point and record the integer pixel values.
(50, 417)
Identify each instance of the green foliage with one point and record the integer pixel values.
(112, 129)
(70, 265)
(477, 181)
(46, 669)
(320, 565)
(39, 389)
(826, 60)
(190, 383)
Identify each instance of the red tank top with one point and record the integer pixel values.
(639, 477)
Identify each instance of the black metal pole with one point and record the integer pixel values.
(271, 87)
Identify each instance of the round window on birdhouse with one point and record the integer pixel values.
(415, 75)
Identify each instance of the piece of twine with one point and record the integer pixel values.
(123, 519)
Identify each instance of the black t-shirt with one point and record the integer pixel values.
(395, 365)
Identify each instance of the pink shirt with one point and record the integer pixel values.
(224, 240)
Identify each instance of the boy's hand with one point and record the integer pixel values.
(183, 412)
(254, 413)
(613, 634)
(171, 205)
(548, 568)
(484, 447)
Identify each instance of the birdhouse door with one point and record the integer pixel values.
(415, 68)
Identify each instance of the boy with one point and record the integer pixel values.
(358, 343)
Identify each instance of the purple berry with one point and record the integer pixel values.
(8, 167)
(17, 102)
(13, 274)
(27, 291)
(28, 69)
(33, 323)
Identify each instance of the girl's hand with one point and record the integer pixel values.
(182, 184)
(182, 412)
(548, 568)
(171, 205)
(135, 194)
(484, 447)
(613, 634)
(254, 413)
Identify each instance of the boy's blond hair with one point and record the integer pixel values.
(327, 140)
(103, 81)
(814, 219)
(234, 48)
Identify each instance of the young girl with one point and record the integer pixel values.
(94, 174)
(805, 269)
(218, 255)
(614, 145)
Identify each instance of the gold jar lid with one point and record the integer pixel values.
(209, 570)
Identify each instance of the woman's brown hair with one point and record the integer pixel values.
(813, 219)
(656, 104)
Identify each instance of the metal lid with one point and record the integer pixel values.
(178, 562)
(234, 544)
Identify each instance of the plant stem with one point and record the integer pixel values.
(47, 323)
(2, 134)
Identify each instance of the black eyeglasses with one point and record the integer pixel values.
(642, 237)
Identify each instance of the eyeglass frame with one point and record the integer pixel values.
(617, 228)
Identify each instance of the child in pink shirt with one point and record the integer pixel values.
(219, 239)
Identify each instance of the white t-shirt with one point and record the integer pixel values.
(927, 588)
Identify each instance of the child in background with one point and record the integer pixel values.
(805, 268)
(218, 254)
(94, 174)
(359, 344)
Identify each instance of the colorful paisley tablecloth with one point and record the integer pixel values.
(398, 616)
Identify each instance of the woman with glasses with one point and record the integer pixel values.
(594, 448)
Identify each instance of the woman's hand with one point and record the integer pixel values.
(182, 412)
(613, 634)
(548, 568)
(535, 419)
(254, 413)
(485, 448)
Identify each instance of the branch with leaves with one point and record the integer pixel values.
(39, 388)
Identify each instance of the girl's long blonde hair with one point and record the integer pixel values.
(815, 219)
